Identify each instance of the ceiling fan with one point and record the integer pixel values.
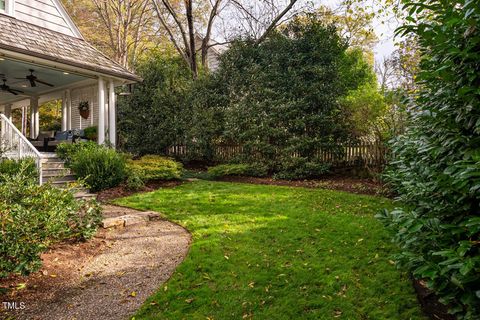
(33, 79)
(6, 88)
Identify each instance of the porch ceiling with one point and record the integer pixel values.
(12, 69)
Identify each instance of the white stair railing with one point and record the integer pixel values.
(14, 145)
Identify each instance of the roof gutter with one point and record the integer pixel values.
(64, 65)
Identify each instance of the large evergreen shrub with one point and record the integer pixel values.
(283, 96)
(436, 163)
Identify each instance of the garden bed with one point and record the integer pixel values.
(123, 191)
(341, 183)
(106, 278)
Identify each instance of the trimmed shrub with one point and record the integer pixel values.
(100, 168)
(34, 217)
(156, 168)
(224, 170)
(301, 168)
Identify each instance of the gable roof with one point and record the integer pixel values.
(29, 39)
(50, 14)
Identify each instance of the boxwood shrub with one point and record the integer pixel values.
(224, 170)
(153, 167)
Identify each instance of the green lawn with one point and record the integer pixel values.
(268, 252)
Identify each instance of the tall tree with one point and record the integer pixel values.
(182, 21)
(123, 29)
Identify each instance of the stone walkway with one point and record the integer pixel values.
(140, 254)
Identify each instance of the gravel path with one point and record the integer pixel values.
(113, 283)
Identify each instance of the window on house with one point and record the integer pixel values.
(2, 5)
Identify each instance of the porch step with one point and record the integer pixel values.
(55, 172)
(53, 165)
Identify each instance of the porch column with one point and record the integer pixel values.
(34, 103)
(24, 121)
(101, 111)
(64, 111)
(7, 111)
(68, 97)
(112, 128)
(33, 117)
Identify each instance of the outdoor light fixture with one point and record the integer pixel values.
(66, 73)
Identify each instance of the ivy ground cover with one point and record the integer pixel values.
(269, 252)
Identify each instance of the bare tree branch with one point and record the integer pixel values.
(273, 24)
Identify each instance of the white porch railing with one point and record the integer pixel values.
(14, 145)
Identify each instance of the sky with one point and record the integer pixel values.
(385, 32)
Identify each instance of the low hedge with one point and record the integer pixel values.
(153, 167)
(33, 217)
(224, 170)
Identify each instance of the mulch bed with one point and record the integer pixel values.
(108, 277)
(122, 191)
(429, 302)
(341, 183)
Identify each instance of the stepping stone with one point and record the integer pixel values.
(140, 217)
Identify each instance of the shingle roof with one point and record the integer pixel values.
(26, 38)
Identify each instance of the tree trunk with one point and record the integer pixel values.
(191, 35)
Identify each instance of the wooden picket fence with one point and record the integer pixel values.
(353, 154)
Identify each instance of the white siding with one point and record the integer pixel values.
(84, 94)
(43, 13)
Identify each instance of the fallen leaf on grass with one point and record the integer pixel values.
(189, 300)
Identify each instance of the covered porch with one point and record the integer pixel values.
(26, 86)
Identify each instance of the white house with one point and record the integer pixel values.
(215, 50)
(44, 57)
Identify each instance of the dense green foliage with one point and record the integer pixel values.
(10, 167)
(283, 95)
(91, 133)
(99, 166)
(153, 167)
(268, 252)
(436, 164)
(33, 217)
(224, 170)
(153, 117)
(280, 100)
(67, 151)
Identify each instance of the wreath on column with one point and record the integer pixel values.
(84, 109)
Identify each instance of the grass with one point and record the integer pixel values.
(269, 252)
